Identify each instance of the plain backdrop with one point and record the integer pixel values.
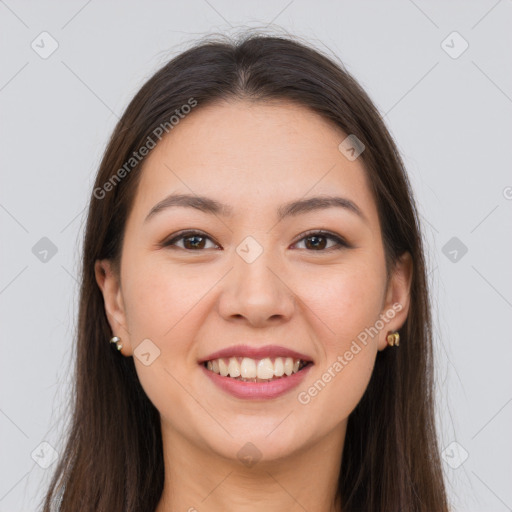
(440, 73)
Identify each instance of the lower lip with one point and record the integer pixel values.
(258, 390)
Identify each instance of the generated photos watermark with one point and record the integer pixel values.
(137, 156)
(305, 397)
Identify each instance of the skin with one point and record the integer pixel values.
(191, 302)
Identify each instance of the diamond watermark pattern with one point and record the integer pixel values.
(454, 455)
(454, 45)
(44, 45)
(146, 352)
(351, 147)
(44, 250)
(44, 455)
(249, 455)
(454, 249)
(249, 249)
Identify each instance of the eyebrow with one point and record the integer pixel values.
(293, 208)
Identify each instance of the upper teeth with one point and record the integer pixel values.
(254, 368)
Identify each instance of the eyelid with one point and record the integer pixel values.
(168, 242)
(340, 241)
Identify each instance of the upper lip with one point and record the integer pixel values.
(255, 353)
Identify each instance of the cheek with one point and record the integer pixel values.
(349, 306)
(337, 389)
(160, 295)
(163, 303)
(346, 300)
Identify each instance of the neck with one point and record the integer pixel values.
(197, 479)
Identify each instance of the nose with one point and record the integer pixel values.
(257, 293)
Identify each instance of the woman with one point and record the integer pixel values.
(254, 328)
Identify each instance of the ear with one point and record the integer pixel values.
(110, 286)
(397, 300)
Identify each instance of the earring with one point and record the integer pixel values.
(116, 340)
(393, 339)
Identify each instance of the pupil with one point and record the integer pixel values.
(198, 242)
(316, 238)
(194, 244)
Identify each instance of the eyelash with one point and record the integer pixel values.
(342, 244)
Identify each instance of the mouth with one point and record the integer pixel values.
(256, 373)
(246, 369)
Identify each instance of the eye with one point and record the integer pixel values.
(192, 240)
(317, 241)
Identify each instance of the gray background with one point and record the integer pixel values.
(451, 118)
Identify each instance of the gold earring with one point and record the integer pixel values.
(393, 339)
(116, 340)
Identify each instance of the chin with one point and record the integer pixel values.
(258, 441)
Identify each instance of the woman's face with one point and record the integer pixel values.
(255, 279)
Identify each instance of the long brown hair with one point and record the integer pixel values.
(113, 458)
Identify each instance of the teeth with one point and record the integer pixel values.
(265, 369)
(279, 367)
(223, 368)
(288, 366)
(233, 367)
(248, 368)
(251, 369)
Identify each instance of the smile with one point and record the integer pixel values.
(259, 373)
(246, 369)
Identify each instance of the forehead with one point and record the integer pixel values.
(250, 155)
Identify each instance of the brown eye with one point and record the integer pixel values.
(317, 241)
(192, 241)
